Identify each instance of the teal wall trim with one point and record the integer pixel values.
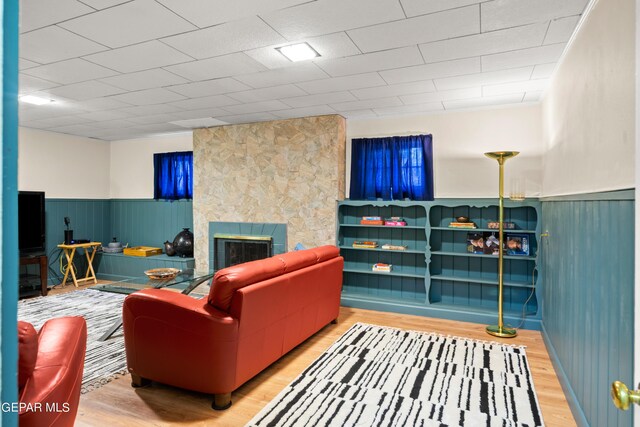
(588, 261)
(120, 266)
(9, 248)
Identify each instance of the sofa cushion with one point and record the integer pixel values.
(293, 261)
(27, 351)
(326, 252)
(228, 280)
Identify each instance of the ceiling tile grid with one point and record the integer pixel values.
(122, 69)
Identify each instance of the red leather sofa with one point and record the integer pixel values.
(255, 313)
(50, 366)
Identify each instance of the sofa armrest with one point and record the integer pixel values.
(166, 330)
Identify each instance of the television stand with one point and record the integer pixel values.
(42, 260)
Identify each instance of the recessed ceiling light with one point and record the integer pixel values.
(298, 52)
(31, 99)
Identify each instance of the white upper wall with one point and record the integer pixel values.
(589, 109)
(132, 163)
(63, 166)
(459, 142)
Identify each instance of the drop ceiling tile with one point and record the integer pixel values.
(511, 13)
(129, 23)
(37, 14)
(376, 61)
(101, 104)
(479, 79)
(267, 94)
(149, 97)
(532, 96)
(330, 16)
(395, 90)
(213, 68)
(30, 84)
(103, 4)
(53, 43)
(432, 71)
(61, 121)
(322, 98)
(157, 128)
(101, 116)
(543, 71)
(249, 33)
(328, 46)
(421, 29)
(248, 118)
(194, 114)
(316, 110)
(515, 87)
(560, 30)
(156, 118)
(358, 114)
(209, 87)
(114, 124)
(205, 102)
(24, 64)
(409, 109)
(55, 109)
(148, 110)
(205, 13)
(336, 84)
(444, 95)
(85, 90)
(281, 76)
(70, 71)
(485, 43)
(148, 79)
(484, 101)
(256, 107)
(71, 129)
(523, 57)
(372, 103)
(139, 57)
(422, 7)
(205, 122)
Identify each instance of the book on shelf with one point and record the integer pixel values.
(462, 225)
(372, 218)
(394, 247)
(369, 244)
(392, 223)
(371, 222)
(380, 266)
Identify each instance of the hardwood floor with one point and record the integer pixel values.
(118, 404)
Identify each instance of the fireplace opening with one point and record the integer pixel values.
(230, 250)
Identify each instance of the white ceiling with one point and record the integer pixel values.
(126, 69)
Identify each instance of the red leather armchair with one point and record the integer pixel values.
(255, 313)
(50, 367)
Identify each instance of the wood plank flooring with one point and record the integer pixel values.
(118, 404)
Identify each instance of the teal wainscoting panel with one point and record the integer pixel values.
(588, 270)
(147, 222)
(120, 266)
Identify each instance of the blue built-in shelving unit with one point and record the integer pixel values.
(436, 276)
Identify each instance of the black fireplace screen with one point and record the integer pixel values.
(232, 250)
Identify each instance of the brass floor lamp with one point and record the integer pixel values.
(501, 330)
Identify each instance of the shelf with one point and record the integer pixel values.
(482, 281)
(491, 230)
(408, 251)
(407, 302)
(488, 310)
(466, 254)
(395, 273)
(386, 227)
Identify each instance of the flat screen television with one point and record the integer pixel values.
(31, 226)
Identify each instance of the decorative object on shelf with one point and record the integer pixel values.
(368, 244)
(389, 247)
(168, 248)
(506, 225)
(517, 244)
(382, 267)
(462, 225)
(162, 273)
(501, 330)
(462, 219)
(516, 192)
(114, 247)
(183, 243)
(142, 251)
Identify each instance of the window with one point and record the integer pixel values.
(173, 175)
(392, 168)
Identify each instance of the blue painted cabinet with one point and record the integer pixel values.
(436, 275)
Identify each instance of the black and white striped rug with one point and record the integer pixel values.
(104, 360)
(379, 376)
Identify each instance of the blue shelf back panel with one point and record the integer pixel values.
(413, 215)
(588, 315)
(525, 217)
(382, 285)
(120, 266)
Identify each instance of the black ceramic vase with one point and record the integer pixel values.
(183, 243)
(168, 248)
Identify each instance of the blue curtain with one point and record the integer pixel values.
(173, 175)
(392, 168)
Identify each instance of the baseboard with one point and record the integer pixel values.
(572, 400)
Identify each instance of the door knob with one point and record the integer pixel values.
(623, 397)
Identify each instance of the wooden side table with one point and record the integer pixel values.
(89, 251)
(44, 265)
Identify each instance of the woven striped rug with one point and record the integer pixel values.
(378, 376)
(104, 360)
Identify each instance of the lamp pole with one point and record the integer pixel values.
(501, 330)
